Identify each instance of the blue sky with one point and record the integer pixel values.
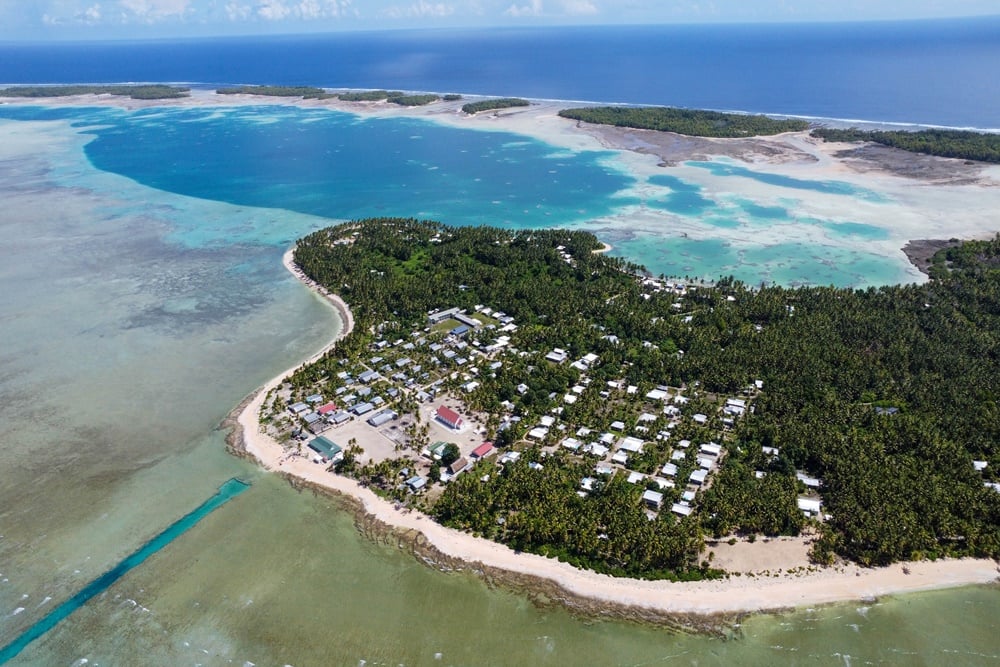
(98, 19)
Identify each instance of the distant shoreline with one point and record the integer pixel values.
(699, 606)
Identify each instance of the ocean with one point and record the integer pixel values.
(144, 298)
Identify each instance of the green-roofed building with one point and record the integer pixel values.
(325, 447)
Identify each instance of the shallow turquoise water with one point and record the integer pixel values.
(330, 165)
(724, 168)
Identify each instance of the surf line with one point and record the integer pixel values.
(226, 492)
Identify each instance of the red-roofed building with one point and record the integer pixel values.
(449, 417)
(326, 409)
(483, 450)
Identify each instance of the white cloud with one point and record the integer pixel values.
(277, 10)
(273, 11)
(154, 10)
(420, 9)
(534, 9)
(92, 14)
(579, 7)
(237, 12)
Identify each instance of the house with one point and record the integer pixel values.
(340, 417)
(458, 465)
(631, 444)
(510, 457)
(604, 469)
(383, 417)
(669, 469)
(681, 509)
(326, 409)
(368, 376)
(460, 330)
(449, 418)
(557, 355)
(656, 395)
(483, 450)
(362, 409)
(587, 483)
(636, 478)
(596, 449)
(538, 433)
(699, 476)
(809, 481)
(653, 499)
(618, 426)
(810, 506)
(416, 483)
(571, 444)
(700, 418)
(711, 449)
(620, 457)
(442, 315)
(328, 449)
(298, 408)
(314, 398)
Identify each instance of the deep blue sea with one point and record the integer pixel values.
(940, 72)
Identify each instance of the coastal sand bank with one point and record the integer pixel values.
(752, 591)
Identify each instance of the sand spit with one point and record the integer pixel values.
(689, 606)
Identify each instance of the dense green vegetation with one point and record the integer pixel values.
(897, 486)
(305, 92)
(452, 97)
(413, 100)
(499, 103)
(370, 95)
(944, 143)
(139, 92)
(685, 121)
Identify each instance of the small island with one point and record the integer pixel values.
(494, 104)
(305, 92)
(527, 389)
(135, 92)
(692, 122)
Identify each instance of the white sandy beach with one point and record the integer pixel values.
(762, 589)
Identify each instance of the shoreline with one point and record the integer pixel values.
(699, 606)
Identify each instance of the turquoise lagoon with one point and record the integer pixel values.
(336, 166)
(139, 307)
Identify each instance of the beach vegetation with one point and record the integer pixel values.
(305, 92)
(494, 104)
(369, 95)
(691, 122)
(960, 144)
(136, 92)
(413, 100)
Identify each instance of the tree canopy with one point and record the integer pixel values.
(962, 144)
(692, 122)
(885, 394)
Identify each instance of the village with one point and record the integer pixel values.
(406, 407)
